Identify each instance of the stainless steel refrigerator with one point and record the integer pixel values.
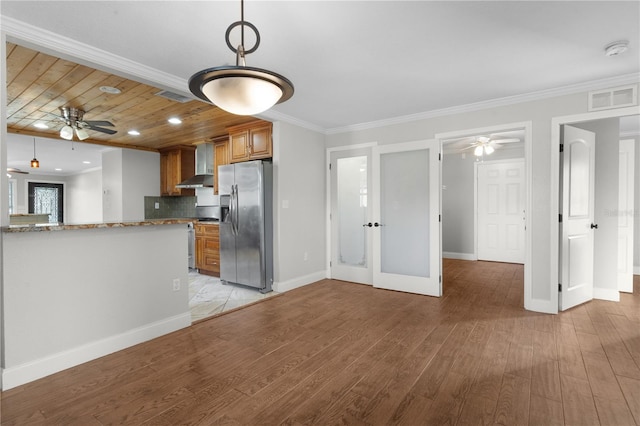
(246, 225)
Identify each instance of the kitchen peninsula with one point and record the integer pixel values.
(101, 287)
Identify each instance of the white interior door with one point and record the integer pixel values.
(500, 211)
(351, 253)
(406, 208)
(577, 227)
(626, 215)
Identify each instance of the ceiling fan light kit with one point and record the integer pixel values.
(239, 89)
(75, 123)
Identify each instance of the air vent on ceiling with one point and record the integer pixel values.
(617, 97)
(173, 96)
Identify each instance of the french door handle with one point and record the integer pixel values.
(594, 226)
(369, 224)
(377, 224)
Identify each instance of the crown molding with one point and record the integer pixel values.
(67, 48)
(626, 79)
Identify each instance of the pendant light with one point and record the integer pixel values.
(34, 163)
(240, 89)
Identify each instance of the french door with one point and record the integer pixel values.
(385, 206)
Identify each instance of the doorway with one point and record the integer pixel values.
(604, 226)
(463, 151)
(47, 198)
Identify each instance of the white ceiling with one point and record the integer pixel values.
(70, 157)
(356, 62)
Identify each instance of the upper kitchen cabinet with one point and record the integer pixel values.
(220, 158)
(250, 142)
(176, 165)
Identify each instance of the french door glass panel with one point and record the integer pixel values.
(351, 254)
(404, 213)
(352, 211)
(406, 205)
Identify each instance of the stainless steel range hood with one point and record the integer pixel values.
(204, 168)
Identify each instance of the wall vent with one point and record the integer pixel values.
(173, 96)
(617, 97)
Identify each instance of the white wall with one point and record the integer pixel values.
(84, 198)
(79, 304)
(540, 113)
(140, 178)
(636, 229)
(299, 206)
(127, 177)
(605, 265)
(112, 186)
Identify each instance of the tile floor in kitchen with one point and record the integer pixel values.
(209, 297)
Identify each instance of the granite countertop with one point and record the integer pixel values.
(45, 227)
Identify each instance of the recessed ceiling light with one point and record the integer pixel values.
(174, 120)
(616, 48)
(134, 132)
(110, 90)
(58, 170)
(41, 125)
(86, 162)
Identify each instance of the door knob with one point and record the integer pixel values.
(594, 226)
(377, 224)
(369, 224)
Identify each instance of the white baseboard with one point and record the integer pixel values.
(460, 256)
(542, 306)
(283, 286)
(606, 294)
(33, 370)
(636, 270)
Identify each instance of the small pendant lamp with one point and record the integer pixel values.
(34, 163)
(240, 89)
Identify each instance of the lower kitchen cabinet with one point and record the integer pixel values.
(208, 248)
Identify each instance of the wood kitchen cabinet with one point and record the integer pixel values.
(176, 165)
(220, 157)
(208, 248)
(250, 141)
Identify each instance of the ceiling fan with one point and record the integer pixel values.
(75, 123)
(15, 170)
(486, 145)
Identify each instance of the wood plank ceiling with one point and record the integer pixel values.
(38, 85)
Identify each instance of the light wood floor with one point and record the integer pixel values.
(342, 353)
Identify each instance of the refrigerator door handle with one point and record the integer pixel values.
(232, 210)
(236, 209)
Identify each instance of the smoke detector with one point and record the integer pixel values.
(616, 48)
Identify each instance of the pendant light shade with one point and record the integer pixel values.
(239, 89)
(34, 163)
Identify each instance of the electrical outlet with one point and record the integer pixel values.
(176, 284)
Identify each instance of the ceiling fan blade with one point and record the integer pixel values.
(506, 140)
(469, 147)
(59, 117)
(14, 170)
(100, 129)
(98, 123)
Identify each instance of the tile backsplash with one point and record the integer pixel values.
(169, 207)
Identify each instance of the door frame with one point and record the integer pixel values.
(551, 306)
(529, 302)
(328, 152)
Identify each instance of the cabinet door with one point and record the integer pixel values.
(239, 144)
(199, 249)
(164, 166)
(173, 172)
(220, 158)
(260, 143)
